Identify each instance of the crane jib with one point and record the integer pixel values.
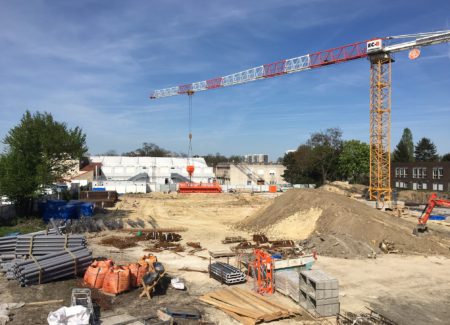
(314, 60)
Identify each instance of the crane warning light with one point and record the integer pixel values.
(414, 53)
(374, 45)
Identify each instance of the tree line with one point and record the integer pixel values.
(424, 150)
(149, 149)
(327, 157)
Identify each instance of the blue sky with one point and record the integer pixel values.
(94, 63)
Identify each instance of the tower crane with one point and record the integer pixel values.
(379, 51)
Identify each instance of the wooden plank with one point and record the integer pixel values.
(244, 320)
(275, 313)
(225, 306)
(269, 314)
(264, 299)
(222, 253)
(252, 302)
(47, 302)
(225, 295)
(256, 300)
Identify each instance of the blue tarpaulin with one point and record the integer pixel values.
(59, 209)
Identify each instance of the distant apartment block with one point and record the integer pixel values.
(258, 158)
(431, 176)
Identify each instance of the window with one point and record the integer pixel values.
(420, 172)
(438, 172)
(438, 187)
(401, 172)
(424, 186)
(401, 185)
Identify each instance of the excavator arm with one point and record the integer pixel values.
(433, 201)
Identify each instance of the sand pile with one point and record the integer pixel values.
(345, 188)
(338, 225)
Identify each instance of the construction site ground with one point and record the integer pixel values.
(410, 287)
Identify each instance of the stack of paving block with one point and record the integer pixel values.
(287, 283)
(319, 292)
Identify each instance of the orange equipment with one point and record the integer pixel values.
(199, 188)
(433, 201)
(263, 272)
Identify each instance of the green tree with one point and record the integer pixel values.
(149, 149)
(446, 157)
(326, 147)
(292, 174)
(425, 150)
(354, 161)
(213, 160)
(236, 159)
(404, 152)
(40, 151)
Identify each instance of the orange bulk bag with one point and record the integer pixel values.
(137, 271)
(95, 274)
(117, 280)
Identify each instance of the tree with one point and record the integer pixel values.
(326, 147)
(40, 151)
(110, 153)
(446, 157)
(150, 150)
(315, 161)
(292, 174)
(212, 160)
(354, 161)
(404, 152)
(236, 159)
(425, 150)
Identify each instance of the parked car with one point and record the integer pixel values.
(4, 201)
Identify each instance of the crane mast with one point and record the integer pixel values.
(379, 52)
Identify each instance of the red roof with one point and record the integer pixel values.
(91, 166)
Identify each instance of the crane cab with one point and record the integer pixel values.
(374, 46)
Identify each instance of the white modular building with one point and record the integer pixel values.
(145, 174)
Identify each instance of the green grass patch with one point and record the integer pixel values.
(23, 226)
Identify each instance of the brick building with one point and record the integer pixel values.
(431, 176)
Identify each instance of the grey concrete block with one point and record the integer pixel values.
(324, 294)
(328, 310)
(318, 280)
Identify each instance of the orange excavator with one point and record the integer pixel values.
(433, 201)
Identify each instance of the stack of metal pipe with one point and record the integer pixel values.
(43, 245)
(226, 273)
(54, 266)
(8, 243)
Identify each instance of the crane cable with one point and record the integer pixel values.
(190, 127)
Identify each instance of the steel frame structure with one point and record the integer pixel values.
(380, 89)
(380, 127)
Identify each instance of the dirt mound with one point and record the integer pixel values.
(339, 226)
(345, 188)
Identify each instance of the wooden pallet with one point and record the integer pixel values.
(246, 306)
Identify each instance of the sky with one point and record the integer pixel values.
(93, 64)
